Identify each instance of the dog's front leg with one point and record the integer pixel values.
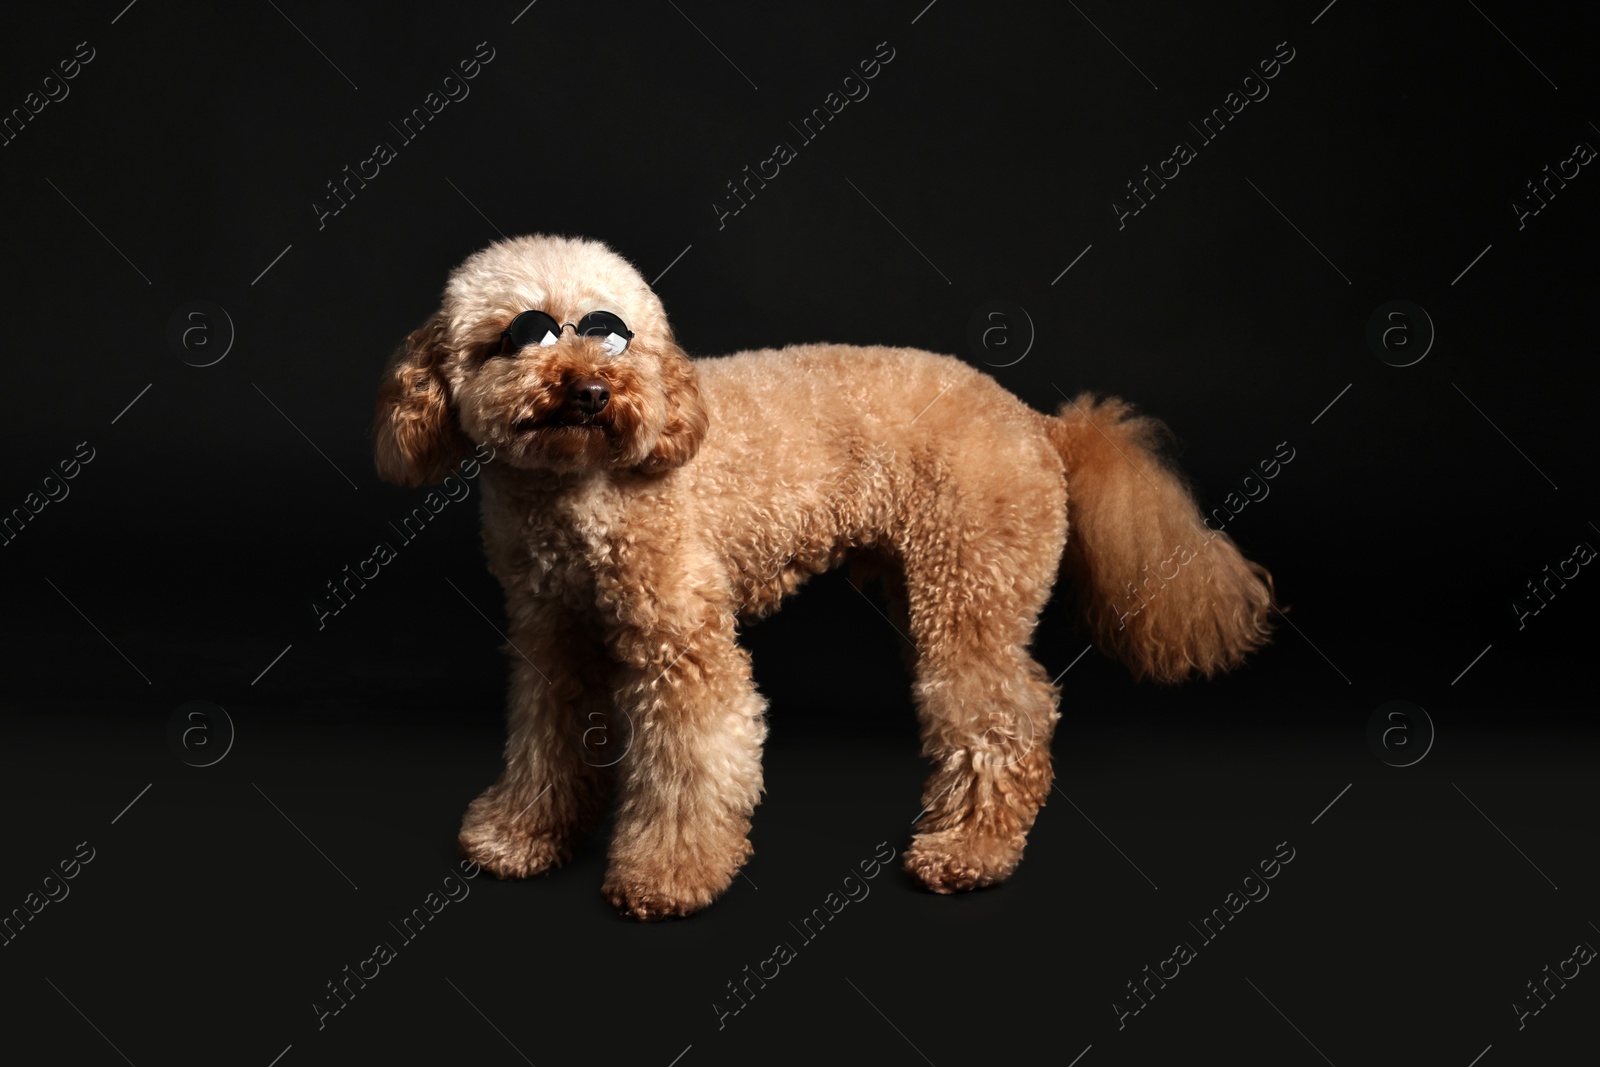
(692, 776)
(555, 785)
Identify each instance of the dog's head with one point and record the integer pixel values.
(541, 398)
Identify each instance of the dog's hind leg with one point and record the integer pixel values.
(978, 571)
(986, 720)
(559, 742)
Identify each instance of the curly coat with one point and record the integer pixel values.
(631, 542)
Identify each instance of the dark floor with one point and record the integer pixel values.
(1408, 908)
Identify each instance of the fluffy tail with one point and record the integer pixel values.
(1162, 593)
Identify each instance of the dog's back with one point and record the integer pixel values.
(815, 450)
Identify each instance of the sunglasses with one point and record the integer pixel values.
(537, 328)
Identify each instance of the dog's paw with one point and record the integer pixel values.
(953, 861)
(652, 903)
(508, 854)
(650, 891)
(497, 842)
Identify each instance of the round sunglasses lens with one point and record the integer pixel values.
(614, 334)
(534, 328)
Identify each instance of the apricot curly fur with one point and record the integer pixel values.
(631, 541)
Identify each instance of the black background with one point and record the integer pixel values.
(986, 158)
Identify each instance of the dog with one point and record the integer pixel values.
(640, 505)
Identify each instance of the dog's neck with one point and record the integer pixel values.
(528, 483)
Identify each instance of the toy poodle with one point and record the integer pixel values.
(640, 505)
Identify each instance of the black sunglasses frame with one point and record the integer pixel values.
(602, 323)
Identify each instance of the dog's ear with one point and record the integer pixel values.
(416, 439)
(686, 420)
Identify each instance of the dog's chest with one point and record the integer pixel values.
(568, 546)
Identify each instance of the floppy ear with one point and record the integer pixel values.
(416, 439)
(686, 421)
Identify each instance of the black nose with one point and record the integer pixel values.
(589, 395)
